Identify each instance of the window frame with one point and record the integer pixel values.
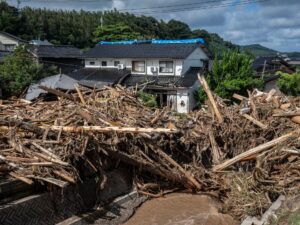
(138, 61)
(165, 61)
(116, 63)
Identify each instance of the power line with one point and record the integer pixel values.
(231, 4)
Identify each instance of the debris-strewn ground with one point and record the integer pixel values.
(82, 134)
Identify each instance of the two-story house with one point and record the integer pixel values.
(165, 68)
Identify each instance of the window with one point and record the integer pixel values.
(104, 63)
(92, 63)
(138, 66)
(166, 66)
(116, 63)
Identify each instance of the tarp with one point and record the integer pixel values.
(130, 42)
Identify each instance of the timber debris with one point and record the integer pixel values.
(241, 153)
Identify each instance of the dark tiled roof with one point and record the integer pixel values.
(259, 61)
(98, 77)
(55, 51)
(187, 80)
(12, 36)
(174, 51)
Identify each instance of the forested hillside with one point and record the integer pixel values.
(78, 27)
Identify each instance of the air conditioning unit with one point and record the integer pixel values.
(154, 69)
(120, 66)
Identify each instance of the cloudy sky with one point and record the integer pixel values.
(272, 23)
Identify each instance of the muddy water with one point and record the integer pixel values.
(180, 209)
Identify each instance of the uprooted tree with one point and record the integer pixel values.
(233, 74)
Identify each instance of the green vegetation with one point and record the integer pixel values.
(116, 32)
(82, 28)
(147, 99)
(234, 74)
(289, 84)
(19, 70)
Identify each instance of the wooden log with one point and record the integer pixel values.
(38, 164)
(51, 180)
(287, 114)
(239, 97)
(51, 159)
(21, 178)
(215, 148)
(270, 95)
(65, 176)
(48, 152)
(20, 159)
(187, 174)
(255, 121)
(80, 94)
(210, 97)
(256, 150)
(80, 129)
(57, 92)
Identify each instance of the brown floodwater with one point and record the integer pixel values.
(180, 209)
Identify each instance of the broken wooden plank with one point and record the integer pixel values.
(210, 97)
(65, 176)
(57, 92)
(239, 97)
(255, 150)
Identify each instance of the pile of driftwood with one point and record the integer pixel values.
(226, 150)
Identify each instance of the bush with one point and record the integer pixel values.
(19, 70)
(148, 99)
(233, 74)
(289, 84)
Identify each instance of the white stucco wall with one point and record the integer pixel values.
(194, 59)
(7, 44)
(149, 63)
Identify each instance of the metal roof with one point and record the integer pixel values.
(55, 51)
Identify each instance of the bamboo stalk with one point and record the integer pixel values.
(255, 150)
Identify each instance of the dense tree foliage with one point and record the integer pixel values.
(78, 27)
(116, 32)
(233, 74)
(19, 70)
(289, 84)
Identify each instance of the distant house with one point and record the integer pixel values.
(9, 42)
(267, 68)
(66, 58)
(270, 65)
(295, 62)
(167, 69)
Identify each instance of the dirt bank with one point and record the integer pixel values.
(181, 209)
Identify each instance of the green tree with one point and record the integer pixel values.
(18, 71)
(115, 32)
(289, 84)
(232, 74)
(9, 19)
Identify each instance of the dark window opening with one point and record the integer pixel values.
(104, 63)
(92, 63)
(116, 63)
